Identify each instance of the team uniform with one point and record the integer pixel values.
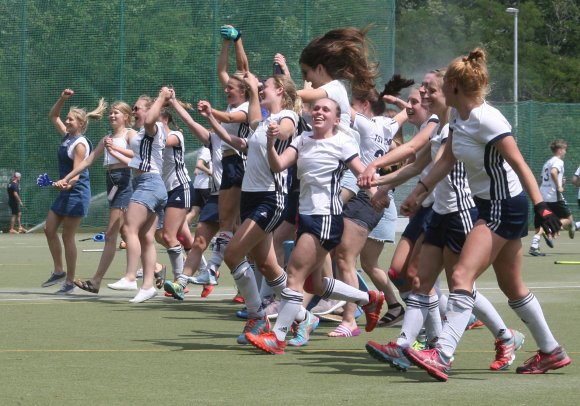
(233, 161)
(555, 200)
(119, 185)
(577, 173)
(264, 192)
(418, 223)
(148, 186)
(321, 163)
(210, 213)
(201, 181)
(175, 175)
(503, 206)
(75, 201)
(495, 187)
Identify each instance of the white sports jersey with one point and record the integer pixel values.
(174, 171)
(452, 194)
(148, 150)
(321, 164)
(238, 129)
(577, 173)
(201, 180)
(337, 90)
(490, 176)
(258, 176)
(389, 127)
(372, 138)
(548, 188)
(121, 142)
(431, 198)
(215, 147)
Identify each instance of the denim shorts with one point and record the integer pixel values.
(149, 190)
(348, 182)
(385, 230)
(120, 177)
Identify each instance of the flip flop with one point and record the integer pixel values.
(160, 277)
(85, 285)
(390, 318)
(344, 332)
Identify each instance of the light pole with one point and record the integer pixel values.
(515, 12)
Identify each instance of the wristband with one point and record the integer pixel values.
(422, 184)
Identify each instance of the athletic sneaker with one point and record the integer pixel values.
(474, 322)
(123, 284)
(144, 294)
(535, 252)
(205, 277)
(303, 330)
(431, 361)
(373, 309)
(238, 298)
(421, 341)
(549, 241)
(505, 351)
(326, 306)
(391, 353)
(66, 289)
(572, 229)
(267, 342)
(242, 314)
(54, 279)
(255, 327)
(175, 289)
(542, 362)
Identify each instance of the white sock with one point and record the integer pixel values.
(217, 254)
(337, 290)
(459, 309)
(278, 284)
(529, 310)
(442, 297)
(176, 259)
(578, 225)
(484, 311)
(290, 304)
(246, 282)
(536, 241)
(433, 323)
(415, 316)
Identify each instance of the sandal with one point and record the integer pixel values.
(391, 318)
(160, 277)
(86, 285)
(344, 332)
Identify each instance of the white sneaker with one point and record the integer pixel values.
(123, 284)
(144, 294)
(205, 277)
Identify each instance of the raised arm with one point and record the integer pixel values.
(254, 110)
(54, 114)
(204, 108)
(155, 110)
(197, 129)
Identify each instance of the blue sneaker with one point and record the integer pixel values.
(303, 330)
(66, 289)
(54, 279)
(255, 327)
(391, 353)
(175, 289)
(242, 314)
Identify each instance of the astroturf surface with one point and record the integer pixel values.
(86, 349)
